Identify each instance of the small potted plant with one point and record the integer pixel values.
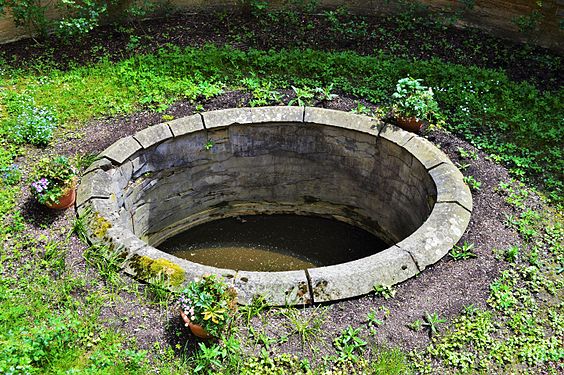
(413, 104)
(207, 306)
(54, 182)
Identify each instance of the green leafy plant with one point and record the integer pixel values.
(10, 175)
(349, 345)
(432, 322)
(209, 144)
(80, 17)
(361, 109)
(108, 262)
(29, 14)
(412, 99)
(51, 179)
(467, 154)
(530, 22)
(255, 308)
(158, 289)
(472, 183)
(325, 93)
(304, 96)
(416, 325)
(466, 251)
(511, 253)
(385, 291)
(209, 302)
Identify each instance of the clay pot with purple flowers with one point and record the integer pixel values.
(54, 183)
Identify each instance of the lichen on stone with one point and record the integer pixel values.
(148, 268)
(100, 225)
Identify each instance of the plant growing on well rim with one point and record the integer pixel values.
(52, 178)
(413, 100)
(210, 303)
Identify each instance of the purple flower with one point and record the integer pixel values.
(40, 185)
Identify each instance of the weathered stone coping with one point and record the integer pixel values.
(100, 198)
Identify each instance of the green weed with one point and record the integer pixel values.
(385, 291)
(308, 326)
(466, 251)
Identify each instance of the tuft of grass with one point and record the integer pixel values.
(308, 325)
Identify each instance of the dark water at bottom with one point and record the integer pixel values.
(273, 243)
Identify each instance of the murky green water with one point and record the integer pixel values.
(273, 243)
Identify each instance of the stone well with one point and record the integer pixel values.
(172, 176)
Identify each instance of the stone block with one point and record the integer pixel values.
(358, 277)
(226, 117)
(426, 152)
(122, 149)
(343, 120)
(186, 125)
(396, 135)
(153, 135)
(450, 185)
(440, 232)
(102, 163)
(277, 114)
(278, 288)
(98, 184)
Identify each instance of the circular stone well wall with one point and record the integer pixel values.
(307, 161)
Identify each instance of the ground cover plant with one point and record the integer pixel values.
(494, 305)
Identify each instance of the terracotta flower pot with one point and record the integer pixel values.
(196, 329)
(411, 124)
(66, 200)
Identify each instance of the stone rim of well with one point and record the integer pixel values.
(445, 225)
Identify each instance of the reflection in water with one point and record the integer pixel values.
(273, 243)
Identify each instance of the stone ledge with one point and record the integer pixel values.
(342, 119)
(426, 152)
(358, 277)
(437, 235)
(152, 135)
(396, 135)
(277, 114)
(278, 288)
(121, 150)
(186, 125)
(450, 185)
(96, 184)
(102, 187)
(226, 117)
